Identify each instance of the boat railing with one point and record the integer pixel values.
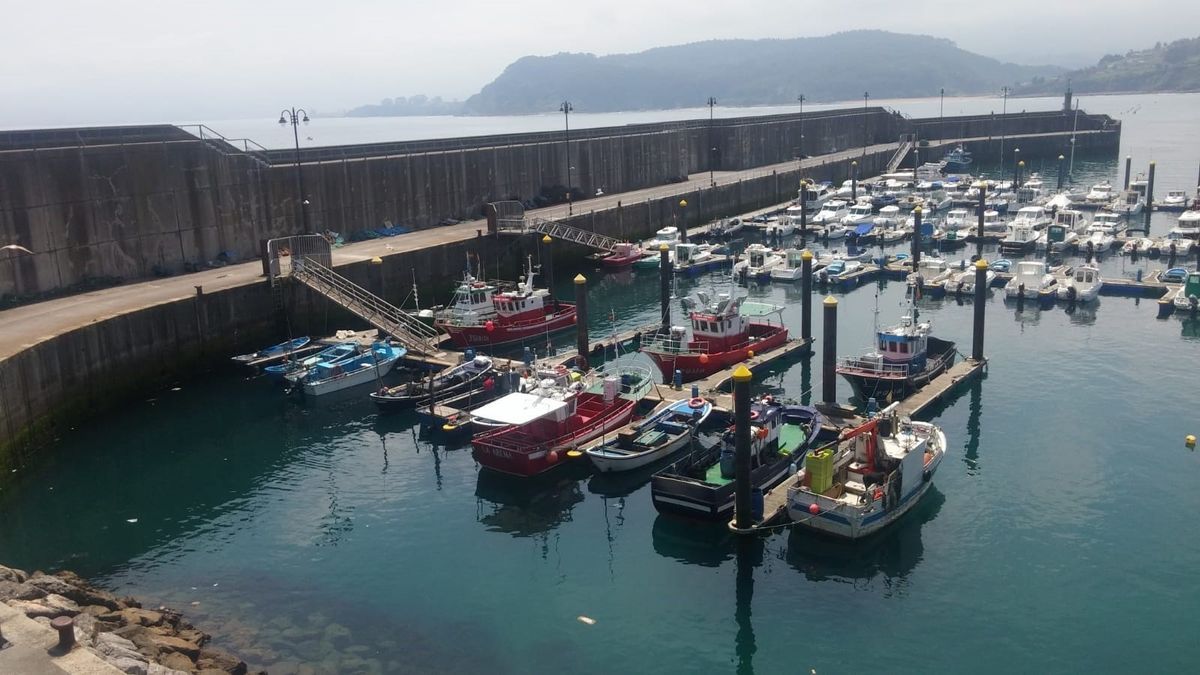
(665, 345)
(873, 367)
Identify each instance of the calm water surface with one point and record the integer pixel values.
(1057, 538)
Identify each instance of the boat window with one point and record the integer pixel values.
(891, 346)
(882, 346)
(904, 348)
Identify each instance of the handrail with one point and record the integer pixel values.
(560, 230)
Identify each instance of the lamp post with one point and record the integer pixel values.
(1017, 168)
(941, 113)
(866, 98)
(1003, 130)
(712, 101)
(800, 154)
(295, 116)
(565, 108)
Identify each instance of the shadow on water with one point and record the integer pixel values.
(692, 542)
(893, 553)
(1190, 328)
(527, 507)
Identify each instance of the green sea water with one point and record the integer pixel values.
(1059, 535)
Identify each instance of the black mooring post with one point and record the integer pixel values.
(804, 213)
(916, 240)
(806, 259)
(664, 286)
(829, 352)
(1128, 168)
(981, 267)
(854, 181)
(743, 516)
(982, 210)
(581, 323)
(1149, 197)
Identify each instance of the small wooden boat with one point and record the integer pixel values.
(273, 353)
(658, 436)
(446, 384)
(301, 364)
(326, 378)
(870, 478)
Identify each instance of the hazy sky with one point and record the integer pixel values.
(112, 61)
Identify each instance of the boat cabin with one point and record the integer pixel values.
(718, 328)
(473, 300)
(1086, 275)
(991, 220)
(1070, 219)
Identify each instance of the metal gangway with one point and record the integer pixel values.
(510, 219)
(308, 260)
(907, 143)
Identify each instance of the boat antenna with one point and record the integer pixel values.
(877, 312)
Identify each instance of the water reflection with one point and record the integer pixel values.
(692, 542)
(1190, 328)
(1082, 313)
(892, 554)
(749, 556)
(974, 413)
(525, 507)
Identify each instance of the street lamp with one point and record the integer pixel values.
(712, 101)
(1003, 112)
(941, 113)
(800, 154)
(295, 116)
(866, 98)
(565, 108)
(1017, 164)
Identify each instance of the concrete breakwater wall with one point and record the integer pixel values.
(99, 207)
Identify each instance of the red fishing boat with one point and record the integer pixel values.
(541, 429)
(624, 254)
(521, 314)
(724, 332)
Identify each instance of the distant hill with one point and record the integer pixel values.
(749, 72)
(402, 106)
(1163, 67)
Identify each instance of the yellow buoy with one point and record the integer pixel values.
(750, 353)
(574, 454)
(1190, 441)
(449, 427)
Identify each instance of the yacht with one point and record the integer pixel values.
(833, 212)
(790, 270)
(1176, 200)
(1100, 195)
(1034, 216)
(1188, 223)
(1031, 280)
(1083, 285)
(1021, 238)
(1064, 232)
(860, 213)
(1107, 222)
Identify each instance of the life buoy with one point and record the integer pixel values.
(754, 415)
(698, 402)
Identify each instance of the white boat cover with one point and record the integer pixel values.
(518, 408)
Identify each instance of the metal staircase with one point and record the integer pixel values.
(562, 231)
(389, 319)
(907, 143)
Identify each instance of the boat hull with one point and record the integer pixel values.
(612, 464)
(689, 498)
(366, 375)
(846, 524)
(885, 389)
(693, 367)
(505, 334)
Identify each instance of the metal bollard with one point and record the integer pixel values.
(65, 626)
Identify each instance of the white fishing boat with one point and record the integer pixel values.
(1100, 195)
(1106, 222)
(832, 212)
(1083, 285)
(792, 267)
(869, 479)
(956, 219)
(888, 216)
(964, 282)
(993, 223)
(860, 213)
(1021, 238)
(1064, 232)
(367, 368)
(1188, 223)
(931, 272)
(757, 261)
(1127, 203)
(778, 227)
(1031, 280)
(659, 435)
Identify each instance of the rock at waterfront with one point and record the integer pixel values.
(12, 574)
(216, 659)
(166, 643)
(14, 590)
(52, 585)
(178, 662)
(52, 606)
(121, 653)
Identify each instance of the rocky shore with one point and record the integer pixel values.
(131, 638)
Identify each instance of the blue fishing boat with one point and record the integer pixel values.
(367, 368)
(273, 353)
(301, 364)
(658, 436)
(957, 160)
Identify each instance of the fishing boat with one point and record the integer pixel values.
(520, 314)
(903, 359)
(1083, 285)
(366, 368)
(1021, 238)
(723, 332)
(274, 353)
(700, 485)
(792, 267)
(778, 227)
(446, 384)
(1099, 196)
(659, 435)
(623, 254)
(540, 431)
(888, 216)
(301, 365)
(1031, 280)
(868, 480)
(957, 160)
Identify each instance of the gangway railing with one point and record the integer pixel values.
(907, 142)
(559, 230)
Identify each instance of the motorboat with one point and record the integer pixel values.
(724, 331)
(832, 212)
(1188, 223)
(1187, 297)
(835, 230)
(1099, 196)
(1059, 202)
(1139, 245)
(792, 267)
(1064, 232)
(660, 435)
(701, 484)
(369, 367)
(757, 262)
(520, 314)
(1127, 203)
(964, 282)
(1175, 275)
(668, 235)
(957, 219)
(1175, 243)
(778, 227)
(1098, 241)
(1083, 285)
(623, 254)
(814, 196)
(957, 160)
(903, 359)
(1035, 216)
(869, 479)
(862, 234)
(1000, 265)
(1176, 200)
(695, 258)
(930, 272)
(1106, 222)
(888, 216)
(1031, 280)
(860, 213)
(993, 223)
(891, 232)
(836, 269)
(726, 227)
(446, 384)
(1021, 238)
(300, 365)
(273, 354)
(538, 432)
